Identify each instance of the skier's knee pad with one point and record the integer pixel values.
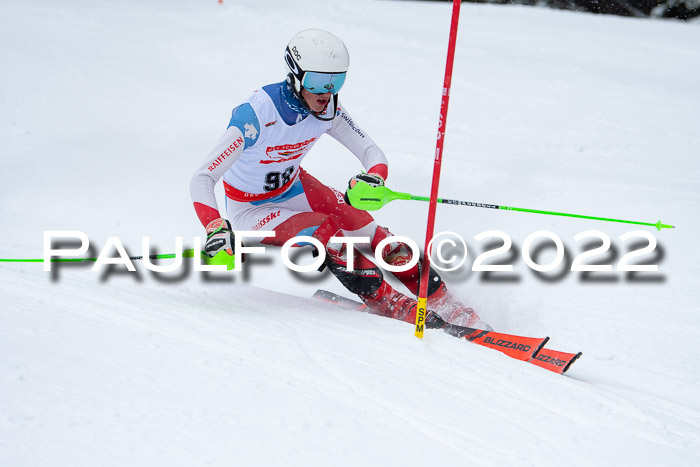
(400, 254)
(364, 279)
(394, 253)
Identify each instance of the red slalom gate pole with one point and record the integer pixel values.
(423, 289)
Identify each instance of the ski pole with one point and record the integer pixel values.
(365, 197)
(74, 260)
(221, 258)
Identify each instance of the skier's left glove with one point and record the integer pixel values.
(373, 180)
(219, 237)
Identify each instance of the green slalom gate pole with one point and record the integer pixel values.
(368, 198)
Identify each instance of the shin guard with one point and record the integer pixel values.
(364, 279)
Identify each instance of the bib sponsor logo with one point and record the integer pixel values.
(262, 222)
(224, 155)
(286, 152)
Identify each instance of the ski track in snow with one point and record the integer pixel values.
(109, 106)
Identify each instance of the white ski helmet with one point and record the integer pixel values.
(318, 62)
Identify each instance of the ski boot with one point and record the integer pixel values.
(386, 301)
(453, 311)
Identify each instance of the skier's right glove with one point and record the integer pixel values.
(219, 238)
(373, 180)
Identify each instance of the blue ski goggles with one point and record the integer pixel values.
(320, 83)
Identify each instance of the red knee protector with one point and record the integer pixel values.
(399, 254)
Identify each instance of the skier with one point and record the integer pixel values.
(259, 159)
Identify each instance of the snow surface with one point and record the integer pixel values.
(107, 108)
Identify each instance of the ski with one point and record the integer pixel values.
(527, 349)
(554, 360)
(330, 297)
(517, 347)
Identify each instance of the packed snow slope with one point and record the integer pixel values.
(107, 107)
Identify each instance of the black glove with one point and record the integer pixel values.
(371, 179)
(219, 237)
